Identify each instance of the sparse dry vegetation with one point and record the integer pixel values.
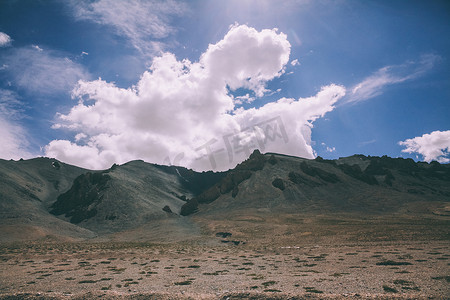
(276, 270)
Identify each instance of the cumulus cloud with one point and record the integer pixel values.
(12, 135)
(375, 84)
(45, 72)
(432, 146)
(183, 112)
(5, 40)
(143, 22)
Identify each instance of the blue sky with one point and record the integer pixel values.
(199, 83)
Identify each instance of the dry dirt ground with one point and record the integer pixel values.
(274, 266)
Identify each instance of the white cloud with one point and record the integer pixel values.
(13, 137)
(327, 148)
(14, 140)
(238, 100)
(140, 21)
(80, 155)
(432, 146)
(37, 48)
(375, 84)
(5, 40)
(80, 137)
(249, 65)
(44, 72)
(183, 111)
(10, 105)
(295, 62)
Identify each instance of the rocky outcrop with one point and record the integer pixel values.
(230, 183)
(189, 207)
(255, 162)
(195, 182)
(356, 172)
(79, 203)
(317, 172)
(279, 184)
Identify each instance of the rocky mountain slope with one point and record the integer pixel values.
(130, 195)
(140, 201)
(279, 183)
(27, 189)
(45, 198)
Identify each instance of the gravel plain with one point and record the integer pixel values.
(384, 270)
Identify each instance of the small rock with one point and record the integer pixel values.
(167, 209)
(223, 234)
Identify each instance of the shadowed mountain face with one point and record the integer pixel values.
(81, 201)
(130, 195)
(140, 201)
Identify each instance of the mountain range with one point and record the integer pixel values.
(45, 199)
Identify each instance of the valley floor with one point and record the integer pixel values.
(215, 270)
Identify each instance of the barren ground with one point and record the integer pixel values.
(310, 258)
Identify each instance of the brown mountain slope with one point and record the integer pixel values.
(45, 198)
(124, 197)
(274, 182)
(27, 189)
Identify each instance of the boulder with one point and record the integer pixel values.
(167, 209)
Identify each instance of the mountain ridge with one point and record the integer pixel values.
(46, 198)
(353, 175)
